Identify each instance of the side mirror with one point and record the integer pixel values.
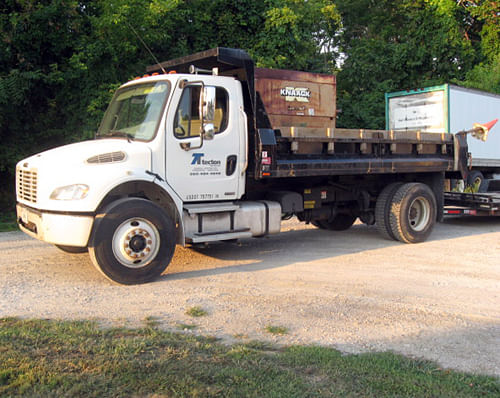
(207, 115)
(207, 104)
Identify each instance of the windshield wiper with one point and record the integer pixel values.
(118, 133)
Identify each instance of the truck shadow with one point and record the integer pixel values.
(303, 243)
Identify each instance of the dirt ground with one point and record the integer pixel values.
(352, 290)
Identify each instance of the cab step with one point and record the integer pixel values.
(210, 208)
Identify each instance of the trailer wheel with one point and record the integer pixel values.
(341, 222)
(383, 210)
(477, 182)
(133, 241)
(72, 249)
(413, 213)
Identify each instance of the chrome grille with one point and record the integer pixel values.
(27, 181)
(107, 157)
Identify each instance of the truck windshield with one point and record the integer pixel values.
(134, 112)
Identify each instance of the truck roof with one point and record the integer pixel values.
(229, 61)
(221, 57)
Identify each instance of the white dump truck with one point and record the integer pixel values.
(222, 153)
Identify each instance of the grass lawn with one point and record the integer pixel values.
(48, 358)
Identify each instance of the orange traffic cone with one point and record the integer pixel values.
(480, 131)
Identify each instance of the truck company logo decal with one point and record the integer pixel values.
(198, 159)
(204, 167)
(301, 94)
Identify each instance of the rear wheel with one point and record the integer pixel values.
(383, 210)
(341, 222)
(133, 241)
(413, 213)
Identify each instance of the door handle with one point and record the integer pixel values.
(230, 164)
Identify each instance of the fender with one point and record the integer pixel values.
(181, 238)
(155, 189)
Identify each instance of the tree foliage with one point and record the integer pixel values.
(483, 30)
(61, 60)
(393, 45)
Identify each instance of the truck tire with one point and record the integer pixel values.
(383, 210)
(413, 213)
(341, 222)
(72, 249)
(133, 241)
(476, 179)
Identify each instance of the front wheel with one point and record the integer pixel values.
(133, 241)
(412, 213)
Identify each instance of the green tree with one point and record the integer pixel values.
(394, 45)
(298, 35)
(37, 91)
(483, 30)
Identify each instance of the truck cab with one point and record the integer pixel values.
(176, 137)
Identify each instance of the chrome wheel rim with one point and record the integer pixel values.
(136, 243)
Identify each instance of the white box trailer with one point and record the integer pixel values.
(450, 109)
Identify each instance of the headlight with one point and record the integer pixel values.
(70, 192)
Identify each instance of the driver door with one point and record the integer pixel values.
(209, 172)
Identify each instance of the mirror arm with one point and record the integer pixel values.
(187, 145)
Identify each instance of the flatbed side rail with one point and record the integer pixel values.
(302, 152)
(309, 133)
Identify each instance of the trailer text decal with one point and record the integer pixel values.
(301, 94)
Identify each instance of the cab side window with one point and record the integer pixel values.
(187, 122)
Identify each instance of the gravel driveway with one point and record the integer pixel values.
(351, 290)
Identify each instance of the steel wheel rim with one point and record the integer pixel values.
(419, 214)
(136, 243)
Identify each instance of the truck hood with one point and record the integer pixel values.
(86, 151)
(99, 164)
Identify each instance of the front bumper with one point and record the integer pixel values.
(56, 228)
